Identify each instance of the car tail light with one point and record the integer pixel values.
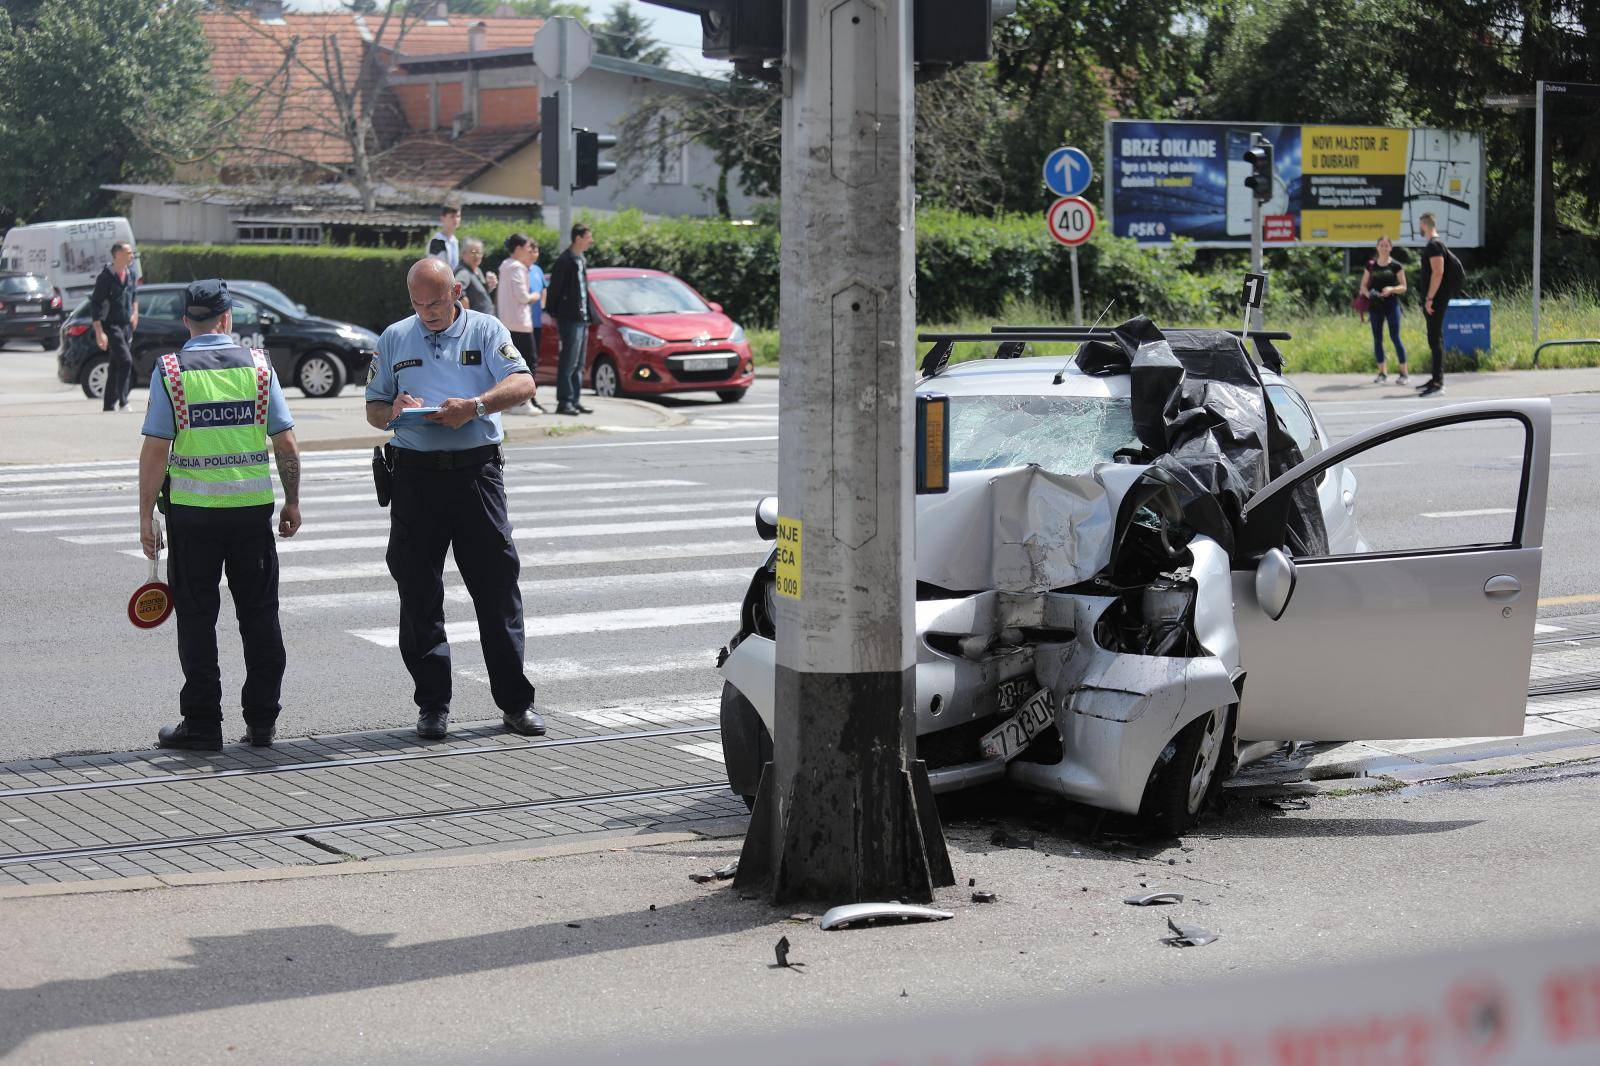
(77, 331)
(55, 302)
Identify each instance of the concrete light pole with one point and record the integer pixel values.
(844, 812)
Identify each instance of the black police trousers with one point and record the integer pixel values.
(204, 547)
(432, 511)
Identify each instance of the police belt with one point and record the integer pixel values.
(457, 460)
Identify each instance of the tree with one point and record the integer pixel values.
(626, 35)
(329, 86)
(93, 96)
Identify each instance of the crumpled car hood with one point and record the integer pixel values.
(1024, 529)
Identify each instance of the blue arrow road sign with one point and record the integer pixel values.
(1067, 171)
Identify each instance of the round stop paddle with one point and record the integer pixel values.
(151, 602)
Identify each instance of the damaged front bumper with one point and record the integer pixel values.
(1115, 711)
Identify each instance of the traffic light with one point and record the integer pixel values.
(750, 32)
(549, 143)
(587, 146)
(1259, 180)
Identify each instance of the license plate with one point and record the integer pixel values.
(1015, 733)
(27, 309)
(1009, 695)
(692, 365)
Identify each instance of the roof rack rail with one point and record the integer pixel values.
(1095, 332)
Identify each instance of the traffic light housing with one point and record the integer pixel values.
(549, 145)
(1259, 180)
(587, 146)
(750, 32)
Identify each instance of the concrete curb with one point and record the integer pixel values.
(455, 858)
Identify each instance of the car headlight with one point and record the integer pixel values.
(737, 336)
(635, 338)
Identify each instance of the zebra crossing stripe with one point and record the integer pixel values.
(547, 670)
(661, 579)
(729, 549)
(564, 625)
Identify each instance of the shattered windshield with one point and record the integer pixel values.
(1062, 434)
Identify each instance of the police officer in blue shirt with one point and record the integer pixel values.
(447, 490)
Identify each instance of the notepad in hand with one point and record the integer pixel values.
(411, 415)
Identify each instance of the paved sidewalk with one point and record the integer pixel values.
(1483, 385)
(553, 953)
(44, 421)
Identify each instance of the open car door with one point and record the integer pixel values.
(1423, 631)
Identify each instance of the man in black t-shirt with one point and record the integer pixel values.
(1441, 282)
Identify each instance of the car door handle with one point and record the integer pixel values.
(1502, 587)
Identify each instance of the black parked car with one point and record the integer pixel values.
(30, 308)
(316, 354)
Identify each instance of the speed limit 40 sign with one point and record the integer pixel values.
(1070, 220)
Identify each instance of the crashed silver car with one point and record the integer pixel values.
(1147, 571)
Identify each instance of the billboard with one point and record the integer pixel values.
(1340, 186)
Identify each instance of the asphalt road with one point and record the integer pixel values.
(636, 550)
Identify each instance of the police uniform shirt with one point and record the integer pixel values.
(466, 360)
(450, 253)
(209, 351)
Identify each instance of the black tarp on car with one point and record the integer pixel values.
(1201, 414)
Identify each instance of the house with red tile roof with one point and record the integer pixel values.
(450, 106)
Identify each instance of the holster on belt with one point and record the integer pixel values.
(383, 472)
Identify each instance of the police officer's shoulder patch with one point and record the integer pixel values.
(509, 353)
(372, 371)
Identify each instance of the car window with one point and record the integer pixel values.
(26, 285)
(648, 295)
(1447, 487)
(165, 305)
(1295, 419)
(246, 314)
(1062, 434)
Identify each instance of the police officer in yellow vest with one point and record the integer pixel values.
(204, 463)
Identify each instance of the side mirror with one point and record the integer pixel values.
(767, 518)
(715, 306)
(267, 318)
(1275, 578)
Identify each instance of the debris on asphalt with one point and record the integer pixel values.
(574, 925)
(972, 882)
(722, 873)
(854, 913)
(1187, 936)
(983, 897)
(782, 951)
(1283, 804)
(1148, 899)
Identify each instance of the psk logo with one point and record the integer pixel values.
(702, 339)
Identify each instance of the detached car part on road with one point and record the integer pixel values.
(1147, 571)
(317, 355)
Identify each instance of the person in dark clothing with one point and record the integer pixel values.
(476, 284)
(1383, 283)
(115, 310)
(568, 303)
(1441, 282)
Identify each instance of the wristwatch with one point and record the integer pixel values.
(482, 407)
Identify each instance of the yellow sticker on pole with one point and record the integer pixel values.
(788, 573)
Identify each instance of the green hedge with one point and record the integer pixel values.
(965, 264)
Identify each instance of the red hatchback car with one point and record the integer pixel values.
(650, 333)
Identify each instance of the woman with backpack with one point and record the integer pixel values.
(1382, 284)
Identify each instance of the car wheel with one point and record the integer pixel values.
(731, 395)
(320, 374)
(1188, 773)
(94, 377)
(607, 382)
(746, 744)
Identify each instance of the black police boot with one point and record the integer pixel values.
(527, 722)
(190, 737)
(433, 725)
(259, 736)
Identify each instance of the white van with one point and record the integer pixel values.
(69, 253)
